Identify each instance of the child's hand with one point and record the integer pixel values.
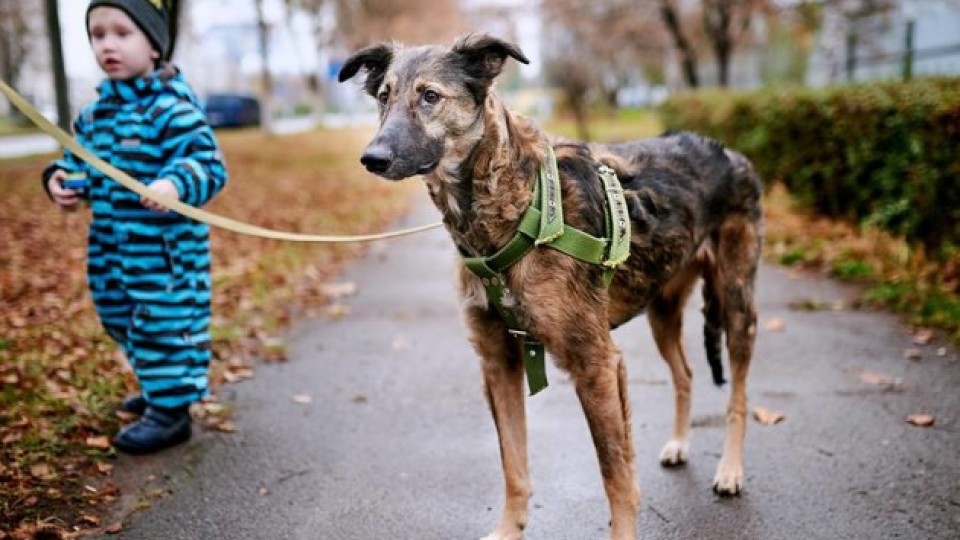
(164, 187)
(66, 198)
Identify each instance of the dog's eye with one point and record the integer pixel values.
(431, 96)
(383, 97)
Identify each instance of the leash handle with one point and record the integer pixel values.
(177, 206)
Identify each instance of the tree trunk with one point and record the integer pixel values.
(266, 82)
(717, 19)
(688, 57)
(59, 71)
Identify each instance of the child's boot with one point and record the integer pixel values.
(156, 430)
(134, 404)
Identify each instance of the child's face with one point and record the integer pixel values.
(122, 49)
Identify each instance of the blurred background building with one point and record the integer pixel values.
(584, 53)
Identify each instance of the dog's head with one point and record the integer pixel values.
(430, 99)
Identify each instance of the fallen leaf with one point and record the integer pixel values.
(922, 336)
(871, 377)
(224, 426)
(42, 471)
(942, 351)
(815, 305)
(337, 311)
(775, 325)
(100, 443)
(104, 468)
(90, 520)
(335, 290)
(114, 528)
(913, 354)
(236, 361)
(263, 492)
(359, 398)
(767, 417)
(242, 372)
(302, 399)
(275, 352)
(213, 408)
(922, 420)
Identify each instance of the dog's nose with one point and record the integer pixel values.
(377, 159)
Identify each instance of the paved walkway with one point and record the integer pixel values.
(12, 146)
(398, 444)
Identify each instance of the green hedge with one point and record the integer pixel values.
(886, 154)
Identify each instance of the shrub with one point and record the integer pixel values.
(884, 154)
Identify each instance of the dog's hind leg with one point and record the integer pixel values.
(601, 382)
(737, 258)
(665, 315)
(504, 385)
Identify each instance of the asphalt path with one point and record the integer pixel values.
(397, 441)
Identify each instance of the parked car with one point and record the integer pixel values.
(232, 110)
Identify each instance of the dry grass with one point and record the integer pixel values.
(59, 377)
(894, 274)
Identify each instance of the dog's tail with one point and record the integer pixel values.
(713, 331)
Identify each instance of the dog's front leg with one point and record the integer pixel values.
(503, 382)
(601, 381)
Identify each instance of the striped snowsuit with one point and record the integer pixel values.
(149, 272)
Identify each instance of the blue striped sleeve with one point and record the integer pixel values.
(68, 163)
(197, 168)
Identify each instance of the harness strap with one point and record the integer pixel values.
(534, 356)
(542, 225)
(618, 220)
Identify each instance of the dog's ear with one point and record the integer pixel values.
(481, 57)
(376, 59)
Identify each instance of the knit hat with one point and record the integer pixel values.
(149, 15)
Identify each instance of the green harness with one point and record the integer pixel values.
(542, 225)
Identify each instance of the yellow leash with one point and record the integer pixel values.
(124, 179)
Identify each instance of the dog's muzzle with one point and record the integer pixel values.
(377, 159)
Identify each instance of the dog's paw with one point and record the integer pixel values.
(729, 480)
(674, 453)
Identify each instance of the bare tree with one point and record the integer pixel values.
(688, 55)
(598, 48)
(266, 81)
(322, 38)
(727, 24)
(360, 22)
(16, 37)
(575, 78)
(61, 87)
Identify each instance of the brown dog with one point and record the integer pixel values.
(695, 213)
